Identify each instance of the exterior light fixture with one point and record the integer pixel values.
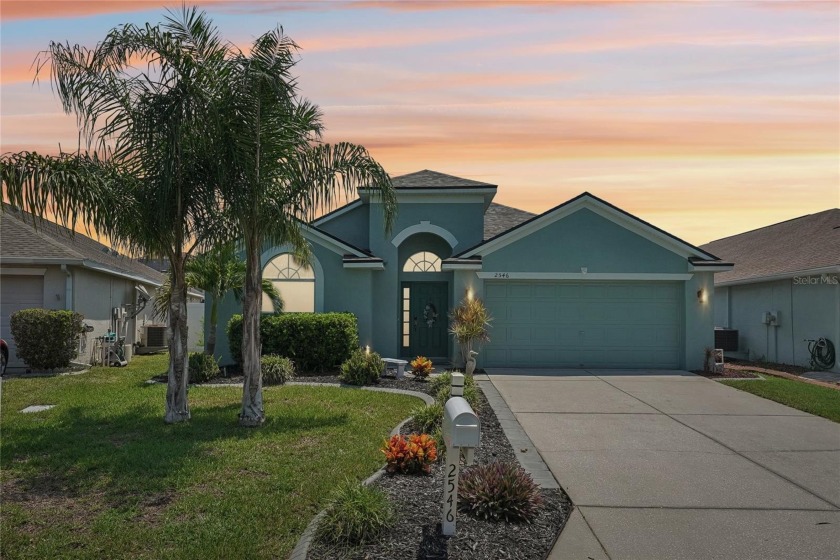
(701, 295)
(469, 294)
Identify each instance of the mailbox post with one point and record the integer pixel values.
(461, 433)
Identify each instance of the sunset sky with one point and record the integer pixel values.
(704, 118)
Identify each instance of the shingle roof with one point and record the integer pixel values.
(499, 218)
(804, 243)
(433, 179)
(49, 240)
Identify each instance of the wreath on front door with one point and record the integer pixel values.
(430, 315)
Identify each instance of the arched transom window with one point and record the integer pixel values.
(294, 281)
(424, 261)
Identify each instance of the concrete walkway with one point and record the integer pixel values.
(670, 465)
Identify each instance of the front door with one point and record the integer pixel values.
(429, 319)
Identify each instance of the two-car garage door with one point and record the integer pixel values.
(584, 324)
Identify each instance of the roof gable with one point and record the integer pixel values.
(603, 209)
(427, 179)
(809, 242)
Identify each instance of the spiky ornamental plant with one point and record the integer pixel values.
(499, 491)
(144, 98)
(469, 323)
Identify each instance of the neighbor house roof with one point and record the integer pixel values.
(499, 218)
(427, 179)
(47, 242)
(807, 243)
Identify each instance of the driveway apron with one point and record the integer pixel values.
(671, 465)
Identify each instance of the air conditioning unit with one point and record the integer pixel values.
(154, 336)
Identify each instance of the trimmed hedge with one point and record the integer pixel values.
(361, 368)
(45, 338)
(315, 342)
(203, 367)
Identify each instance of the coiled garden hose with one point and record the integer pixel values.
(822, 353)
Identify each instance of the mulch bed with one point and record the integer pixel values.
(786, 368)
(727, 374)
(417, 503)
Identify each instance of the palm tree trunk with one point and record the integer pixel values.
(177, 407)
(210, 348)
(252, 413)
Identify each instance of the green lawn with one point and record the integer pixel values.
(101, 475)
(814, 399)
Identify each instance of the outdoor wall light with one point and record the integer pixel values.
(469, 294)
(701, 295)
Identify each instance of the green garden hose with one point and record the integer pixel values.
(822, 353)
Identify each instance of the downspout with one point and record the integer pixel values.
(68, 288)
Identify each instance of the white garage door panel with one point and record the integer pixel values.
(598, 324)
(16, 293)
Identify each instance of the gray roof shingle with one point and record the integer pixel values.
(435, 180)
(20, 239)
(804, 243)
(499, 218)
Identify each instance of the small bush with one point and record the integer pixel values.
(316, 342)
(357, 515)
(442, 389)
(410, 455)
(276, 370)
(499, 492)
(429, 417)
(361, 368)
(203, 367)
(421, 366)
(46, 339)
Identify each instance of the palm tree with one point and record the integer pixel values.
(217, 272)
(278, 173)
(140, 175)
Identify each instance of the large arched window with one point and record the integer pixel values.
(294, 281)
(424, 261)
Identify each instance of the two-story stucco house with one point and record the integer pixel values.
(584, 284)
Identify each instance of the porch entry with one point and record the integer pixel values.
(425, 319)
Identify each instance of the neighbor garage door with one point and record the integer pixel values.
(16, 293)
(593, 324)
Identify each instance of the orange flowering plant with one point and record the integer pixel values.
(412, 454)
(421, 366)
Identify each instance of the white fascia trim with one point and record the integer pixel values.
(333, 245)
(782, 276)
(629, 276)
(711, 268)
(604, 211)
(369, 266)
(23, 271)
(338, 212)
(40, 261)
(105, 270)
(424, 227)
(460, 266)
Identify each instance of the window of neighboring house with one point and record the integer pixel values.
(294, 281)
(424, 261)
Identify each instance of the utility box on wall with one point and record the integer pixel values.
(726, 339)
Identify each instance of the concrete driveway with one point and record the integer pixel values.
(670, 465)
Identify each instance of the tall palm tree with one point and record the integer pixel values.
(217, 272)
(278, 173)
(141, 174)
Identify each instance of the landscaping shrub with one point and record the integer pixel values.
(46, 339)
(410, 455)
(429, 417)
(361, 368)
(499, 492)
(276, 370)
(316, 342)
(203, 367)
(421, 366)
(357, 515)
(442, 389)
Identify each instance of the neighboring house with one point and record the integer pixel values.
(789, 270)
(46, 266)
(584, 284)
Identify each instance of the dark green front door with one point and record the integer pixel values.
(429, 321)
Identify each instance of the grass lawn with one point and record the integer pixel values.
(814, 399)
(101, 475)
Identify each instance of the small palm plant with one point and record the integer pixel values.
(469, 324)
